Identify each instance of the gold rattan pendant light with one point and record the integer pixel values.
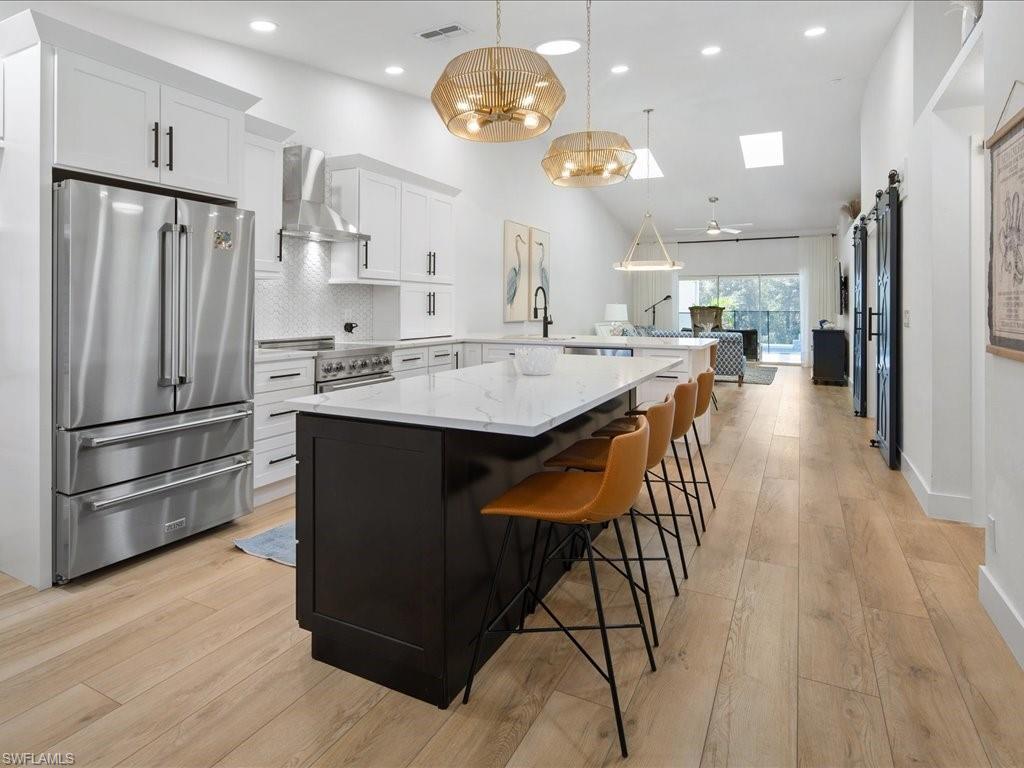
(498, 94)
(588, 158)
(656, 258)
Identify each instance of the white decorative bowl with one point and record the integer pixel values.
(536, 360)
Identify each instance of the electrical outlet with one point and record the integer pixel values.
(906, 318)
(991, 533)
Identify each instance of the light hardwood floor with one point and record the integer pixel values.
(826, 622)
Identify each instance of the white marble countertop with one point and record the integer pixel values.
(568, 340)
(492, 397)
(273, 355)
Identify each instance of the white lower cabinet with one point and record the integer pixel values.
(276, 382)
(417, 361)
(471, 354)
(492, 353)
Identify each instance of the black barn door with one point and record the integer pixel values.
(860, 306)
(887, 328)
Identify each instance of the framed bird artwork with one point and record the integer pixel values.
(515, 278)
(540, 265)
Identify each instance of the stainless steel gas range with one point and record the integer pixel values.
(341, 365)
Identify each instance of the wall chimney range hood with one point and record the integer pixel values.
(305, 213)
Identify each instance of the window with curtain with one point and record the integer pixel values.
(769, 304)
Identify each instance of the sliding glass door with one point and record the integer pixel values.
(768, 304)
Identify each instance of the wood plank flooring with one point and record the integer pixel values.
(826, 622)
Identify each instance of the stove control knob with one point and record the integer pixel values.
(364, 363)
(386, 360)
(377, 361)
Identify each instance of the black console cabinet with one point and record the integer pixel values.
(829, 357)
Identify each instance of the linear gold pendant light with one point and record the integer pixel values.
(498, 94)
(588, 158)
(656, 259)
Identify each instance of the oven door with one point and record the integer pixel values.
(361, 381)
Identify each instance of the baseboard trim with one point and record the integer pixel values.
(273, 491)
(940, 506)
(1002, 612)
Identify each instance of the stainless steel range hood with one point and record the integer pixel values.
(306, 214)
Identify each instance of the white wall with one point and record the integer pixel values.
(344, 116)
(1002, 582)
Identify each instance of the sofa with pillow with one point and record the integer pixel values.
(731, 360)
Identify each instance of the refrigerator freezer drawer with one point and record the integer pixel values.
(102, 527)
(101, 456)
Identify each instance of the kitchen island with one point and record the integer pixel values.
(394, 558)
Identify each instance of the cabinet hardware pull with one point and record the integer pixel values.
(443, 354)
(283, 458)
(666, 377)
(366, 254)
(285, 375)
(156, 145)
(280, 413)
(456, 359)
(170, 148)
(411, 359)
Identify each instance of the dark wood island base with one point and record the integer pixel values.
(394, 559)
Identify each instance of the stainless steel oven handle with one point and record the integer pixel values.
(97, 442)
(95, 506)
(328, 387)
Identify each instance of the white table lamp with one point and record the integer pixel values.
(616, 313)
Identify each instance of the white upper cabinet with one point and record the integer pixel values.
(416, 254)
(114, 122)
(442, 238)
(427, 221)
(380, 217)
(202, 143)
(262, 186)
(107, 119)
(425, 311)
(441, 320)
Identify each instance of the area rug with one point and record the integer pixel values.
(759, 374)
(277, 544)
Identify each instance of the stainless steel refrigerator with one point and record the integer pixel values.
(153, 367)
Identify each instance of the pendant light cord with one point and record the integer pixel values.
(588, 66)
(650, 154)
(497, 4)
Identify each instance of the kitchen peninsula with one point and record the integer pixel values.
(394, 558)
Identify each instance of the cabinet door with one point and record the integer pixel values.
(471, 354)
(441, 319)
(261, 192)
(202, 144)
(380, 217)
(416, 220)
(414, 321)
(442, 239)
(106, 119)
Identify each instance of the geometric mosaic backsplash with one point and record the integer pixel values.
(302, 303)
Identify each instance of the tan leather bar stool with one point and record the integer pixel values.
(705, 388)
(576, 500)
(591, 455)
(686, 396)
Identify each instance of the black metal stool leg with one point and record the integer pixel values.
(661, 533)
(632, 589)
(643, 575)
(543, 561)
(487, 607)
(604, 641)
(682, 482)
(529, 572)
(707, 477)
(714, 399)
(675, 517)
(696, 485)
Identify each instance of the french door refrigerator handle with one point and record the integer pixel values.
(185, 319)
(105, 503)
(169, 308)
(99, 442)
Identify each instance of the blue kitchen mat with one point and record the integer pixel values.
(277, 544)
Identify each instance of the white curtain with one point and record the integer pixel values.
(649, 287)
(819, 280)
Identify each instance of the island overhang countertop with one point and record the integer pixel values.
(494, 397)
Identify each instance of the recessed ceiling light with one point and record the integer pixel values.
(558, 47)
(645, 167)
(711, 50)
(762, 150)
(262, 25)
(394, 69)
(620, 69)
(814, 32)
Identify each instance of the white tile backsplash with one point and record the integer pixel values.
(302, 303)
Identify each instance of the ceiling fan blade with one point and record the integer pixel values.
(690, 229)
(741, 224)
(731, 231)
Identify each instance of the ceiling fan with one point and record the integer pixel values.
(712, 227)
